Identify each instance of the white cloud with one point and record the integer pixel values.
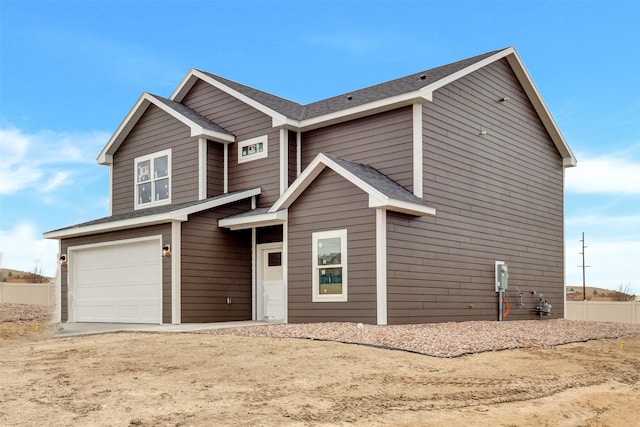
(23, 248)
(38, 161)
(605, 175)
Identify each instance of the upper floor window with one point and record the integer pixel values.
(153, 179)
(253, 149)
(329, 266)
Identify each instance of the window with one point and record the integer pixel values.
(153, 179)
(253, 149)
(329, 266)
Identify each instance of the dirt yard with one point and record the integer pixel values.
(144, 379)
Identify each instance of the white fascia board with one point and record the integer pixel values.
(367, 109)
(183, 89)
(308, 175)
(400, 206)
(185, 86)
(260, 220)
(223, 138)
(106, 155)
(466, 71)
(177, 215)
(521, 72)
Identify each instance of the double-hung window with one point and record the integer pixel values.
(329, 266)
(153, 179)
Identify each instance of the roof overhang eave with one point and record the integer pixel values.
(254, 221)
(179, 215)
(401, 206)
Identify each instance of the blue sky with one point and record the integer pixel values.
(71, 71)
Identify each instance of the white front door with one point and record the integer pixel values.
(271, 298)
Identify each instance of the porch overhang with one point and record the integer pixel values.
(254, 219)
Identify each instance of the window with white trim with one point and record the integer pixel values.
(253, 149)
(329, 266)
(153, 179)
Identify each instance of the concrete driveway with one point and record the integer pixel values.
(78, 329)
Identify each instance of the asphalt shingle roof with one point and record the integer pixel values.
(191, 115)
(379, 181)
(377, 92)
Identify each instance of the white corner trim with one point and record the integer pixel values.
(418, 160)
(110, 165)
(381, 266)
(284, 163)
(202, 168)
(176, 284)
(254, 280)
(298, 153)
(225, 183)
(285, 269)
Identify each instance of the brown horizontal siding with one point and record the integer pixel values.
(270, 234)
(215, 169)
(292, 157)
(498, 196)
(244, 122)
(319, 209)
(163, 229)
(216, 265)
(383, 141)
(156, 131)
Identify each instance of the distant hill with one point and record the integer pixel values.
(17, 276)
(597, 294)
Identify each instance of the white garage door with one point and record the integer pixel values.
(117, 282)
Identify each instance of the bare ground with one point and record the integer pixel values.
(126, 379)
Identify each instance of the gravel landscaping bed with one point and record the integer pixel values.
(24, 312)
(447, 339)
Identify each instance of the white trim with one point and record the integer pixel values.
(368, 109)
(315, 284)
(192, 76)
(260, 276)
(418, 160)
(263, 139)
(401, 206)
(381, 266)
(176, 283)
(254, 279)
(58, 317)
(419, 96)
(376, 198)
(146, 99)
(110, 189)
(284, 169)
(177, 215)
(151, 159)
(251, 221)
(298, 153)
(285, 269)
(202, 168)
(225, 184)
(71, 253)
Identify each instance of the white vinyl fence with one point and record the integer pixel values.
(603, 311)
(28, 293)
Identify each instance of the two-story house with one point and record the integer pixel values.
(385, 205)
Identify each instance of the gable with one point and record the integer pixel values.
(198, 125)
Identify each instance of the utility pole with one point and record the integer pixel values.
(584, 281)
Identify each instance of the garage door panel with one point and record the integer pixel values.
(118, 283)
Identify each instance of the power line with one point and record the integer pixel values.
(584, 267)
